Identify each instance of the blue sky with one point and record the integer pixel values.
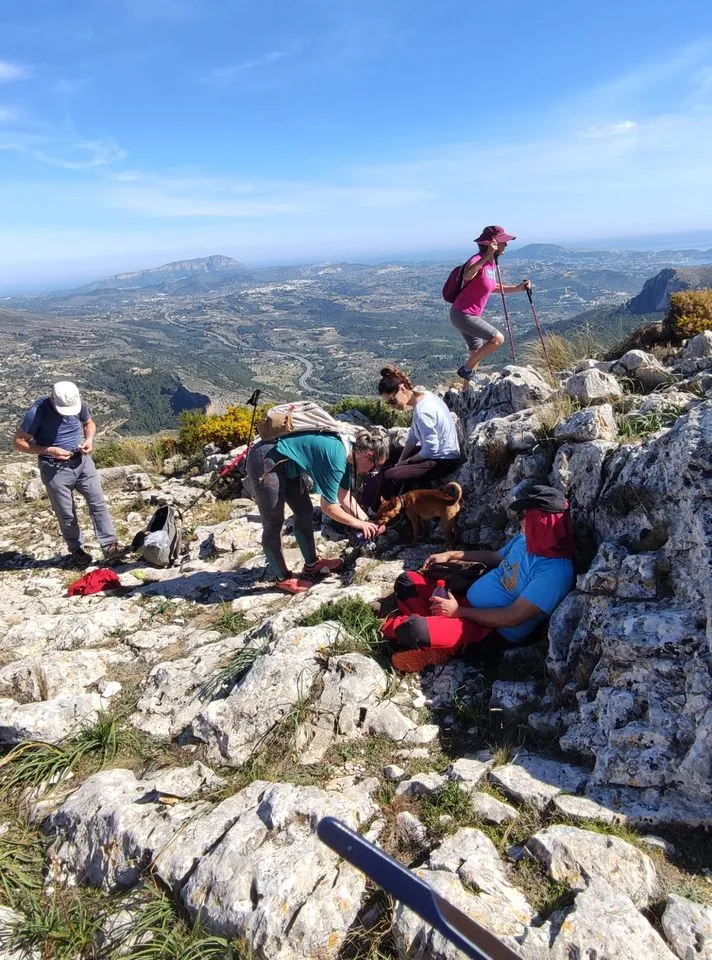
(137, 131)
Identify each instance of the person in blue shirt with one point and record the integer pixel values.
(527, 580)
(59, 431)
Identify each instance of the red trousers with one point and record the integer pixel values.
(413, 627)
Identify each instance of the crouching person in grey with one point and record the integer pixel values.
(59, 431)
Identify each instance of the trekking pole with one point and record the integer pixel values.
(234, 463)
(252, 402)
(504, 305)
(539, 331)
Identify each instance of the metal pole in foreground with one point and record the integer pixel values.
(539, 331)
(504, 305)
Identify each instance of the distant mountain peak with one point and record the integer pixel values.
(655, 295)
(195, 270)
(214, 264)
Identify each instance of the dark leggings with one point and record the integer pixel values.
(267, 470)
(414, 476)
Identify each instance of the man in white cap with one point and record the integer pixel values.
(59, 431)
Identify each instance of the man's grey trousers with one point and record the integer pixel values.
(61, 479)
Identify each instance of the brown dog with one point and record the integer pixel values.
(421, 505)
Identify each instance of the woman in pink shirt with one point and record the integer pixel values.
(479, 281)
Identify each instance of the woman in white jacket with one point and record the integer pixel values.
(432, 449)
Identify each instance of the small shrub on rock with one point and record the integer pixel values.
(379, 413)
(690, 313)
(225, 430)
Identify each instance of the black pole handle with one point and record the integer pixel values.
(529, 294)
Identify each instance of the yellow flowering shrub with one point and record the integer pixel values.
(226, 430)
(690, 312)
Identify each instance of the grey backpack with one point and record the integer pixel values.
(159, 544)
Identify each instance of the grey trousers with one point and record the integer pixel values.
(61, 480)
(266, 469)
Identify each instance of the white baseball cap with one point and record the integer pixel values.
(65, 398)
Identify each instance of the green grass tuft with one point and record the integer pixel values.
(36, 765)
(361, 627)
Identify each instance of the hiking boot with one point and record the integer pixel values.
(292, 584)
(80, 559)
(413, 661)
(465, 373)
(115, 551)
(323, 567)
(385, 606)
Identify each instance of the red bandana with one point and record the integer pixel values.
(549, 534)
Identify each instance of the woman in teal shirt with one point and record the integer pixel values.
(275, 468)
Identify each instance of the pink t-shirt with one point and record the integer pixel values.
(473, 297)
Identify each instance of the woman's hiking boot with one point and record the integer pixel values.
(323, 567)
(465, 373)
(292, 584)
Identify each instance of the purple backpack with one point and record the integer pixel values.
(453, 285)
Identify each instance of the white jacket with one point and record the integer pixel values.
(433, 429)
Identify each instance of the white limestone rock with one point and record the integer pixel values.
(470, 770)
(605, 924)
(595, 423)
(577, 856)
(698, 346)
(537, 780)
(644, 367)
(492, 810)
(688, 928)
(593, 386)
(467, 870)
(234, 728)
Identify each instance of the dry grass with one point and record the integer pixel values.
(552, 413)
(562, 353)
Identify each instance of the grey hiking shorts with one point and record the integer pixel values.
(476, 332)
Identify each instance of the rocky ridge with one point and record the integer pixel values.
(523, 791)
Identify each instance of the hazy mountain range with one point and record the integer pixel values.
(220, 329)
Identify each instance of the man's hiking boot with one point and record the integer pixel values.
(115, 552)
(465, 373)
(385, 606)
(292, 584)
(413, 661)
(80, 558)
(323, 567)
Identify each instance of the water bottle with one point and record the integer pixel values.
(440, 590)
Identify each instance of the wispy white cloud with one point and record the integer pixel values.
(10, 70)
(61, 151)
(8, 114)
(610, 130)
(606, 166)
(82, 154)
(228, 75)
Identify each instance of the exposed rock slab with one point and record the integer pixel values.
(688, 928)
(577, 856)
(537, 780)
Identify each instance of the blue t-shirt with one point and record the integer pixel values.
(323, 457)
(543, 581)
(50, 429)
